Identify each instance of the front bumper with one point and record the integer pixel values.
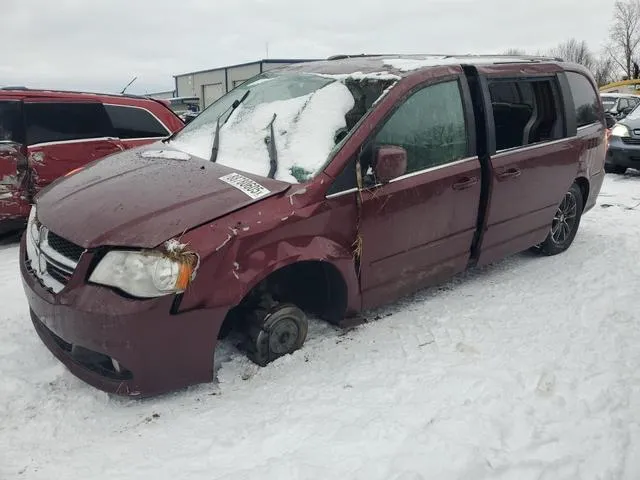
(623, 154)
(87, 327)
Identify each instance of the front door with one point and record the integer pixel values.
(418, 229)
(64, 135)
(532, 166)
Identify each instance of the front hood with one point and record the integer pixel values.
(142, 197)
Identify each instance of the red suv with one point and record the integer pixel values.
(320, 189)
(46, 134)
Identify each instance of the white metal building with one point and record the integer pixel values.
(209, 85)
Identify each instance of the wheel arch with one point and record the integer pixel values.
(583, 183)
(329, 271)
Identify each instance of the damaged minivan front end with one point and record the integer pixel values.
(107, 298)
(136, 265)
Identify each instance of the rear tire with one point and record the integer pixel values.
(566, 222)
(617, 169)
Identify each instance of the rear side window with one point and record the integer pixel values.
(430, 126)
(57, 122)
(585, 99)
(135, 122)
(11, 126)
(525, 112)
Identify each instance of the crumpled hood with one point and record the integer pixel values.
(142, 197)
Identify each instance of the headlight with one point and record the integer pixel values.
(32, 234)
(144, 274)
(620, 130)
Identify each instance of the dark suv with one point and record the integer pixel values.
(46, 134)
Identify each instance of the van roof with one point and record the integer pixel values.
(404, 65)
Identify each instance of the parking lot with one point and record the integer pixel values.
(524, 369)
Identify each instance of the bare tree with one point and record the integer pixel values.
(625, 34)
(575, 51)
(515, 52)
(603, 70)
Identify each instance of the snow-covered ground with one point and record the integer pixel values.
(528, 369)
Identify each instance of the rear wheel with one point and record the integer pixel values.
(617, 169)
(565, 223)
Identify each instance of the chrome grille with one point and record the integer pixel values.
(65, 247)
(51, 258)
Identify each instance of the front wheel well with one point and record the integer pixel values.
(315, 286)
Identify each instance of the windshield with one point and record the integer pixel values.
(634, 114)
(10, 122)
(312, 114)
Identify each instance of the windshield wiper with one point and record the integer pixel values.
(216, 137)
(271, 148)
(170, 137)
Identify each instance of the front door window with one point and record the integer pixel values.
(430, 126)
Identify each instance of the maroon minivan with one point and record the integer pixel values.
(45, 134)
(320, 189)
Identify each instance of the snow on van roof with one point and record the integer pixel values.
(409, 64)
(382, 75)
(376, 66)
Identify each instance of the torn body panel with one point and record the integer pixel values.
(246, 247)
(16, 186)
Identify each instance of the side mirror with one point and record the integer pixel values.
(390, 163)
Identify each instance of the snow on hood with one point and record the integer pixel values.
(305, 129)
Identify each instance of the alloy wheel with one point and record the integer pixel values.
(565, 219)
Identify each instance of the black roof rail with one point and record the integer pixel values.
(526, 57)
(505, 56)
(361, 55)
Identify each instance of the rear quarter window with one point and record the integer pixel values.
(57, 122)
(585, 99)
(11, 127)
(135, 122)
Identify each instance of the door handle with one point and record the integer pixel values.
(465, 183)
(511, 173)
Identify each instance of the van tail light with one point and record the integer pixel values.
(607, 138)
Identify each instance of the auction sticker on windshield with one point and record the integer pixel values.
(246, 185)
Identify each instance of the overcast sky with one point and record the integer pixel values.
(102, 44)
